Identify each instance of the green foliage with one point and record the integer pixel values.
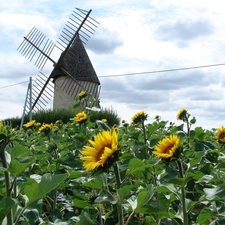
(43, 180)
(45, 116)
(105, 113)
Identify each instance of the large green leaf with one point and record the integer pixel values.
(48, 182)
(6, 204)
(144, 196)
(136, 165)
(18, 151)
(16, 167)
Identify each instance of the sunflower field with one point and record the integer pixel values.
(90, 173)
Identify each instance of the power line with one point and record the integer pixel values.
(141, 73)
(162, 71)
(14, 84)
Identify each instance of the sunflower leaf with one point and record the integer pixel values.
(94, 183)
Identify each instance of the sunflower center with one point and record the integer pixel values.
(101, 151)
(167, 149)
(222, 135)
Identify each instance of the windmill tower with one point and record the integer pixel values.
(83, 76)
(72, 72)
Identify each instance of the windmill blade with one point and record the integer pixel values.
(79, 22)
(35, 42)
(43, 91)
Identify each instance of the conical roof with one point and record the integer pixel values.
(77, 63)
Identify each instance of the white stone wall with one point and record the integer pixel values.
(65, 91)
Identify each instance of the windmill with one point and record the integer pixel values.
(72, 72)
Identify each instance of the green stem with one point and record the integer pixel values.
(144, 132)
(100, 215)
(117, 175)
(7, 184)
(119, 204)
(183, 194)
(130, 216)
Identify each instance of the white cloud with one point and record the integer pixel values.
(132, 37)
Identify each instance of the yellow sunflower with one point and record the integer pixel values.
(82, 94)
(103, 147)
(181, 114)
(221, 134)
(139, 117)
(80, 117)
(45, 127)
(167, 147)
(104, 120)
(29, 124)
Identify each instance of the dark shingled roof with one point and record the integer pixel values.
(77, 63)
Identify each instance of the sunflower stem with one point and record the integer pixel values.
(7, 182)
(183, 193)
(144, 131)
(118, 183)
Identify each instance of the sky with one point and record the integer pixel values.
(156, 56)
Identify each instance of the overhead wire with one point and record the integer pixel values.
(162, 71)
(141, 73)
(14, 84)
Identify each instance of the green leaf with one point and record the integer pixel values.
(180, 181)
(136, 165)
(33, 212)
(105, 198)
(102, 125)
(80, 203)
(48, 182)
(167, 188)
(204, 216)
(216, 193)
(16, 167)
(85, 219)
(205, 179)
(144, 196)
(149, 220)
(18, 150)
(6, 204)
(94, 183)
(123, 192)
(74, 106)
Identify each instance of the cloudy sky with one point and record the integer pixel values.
(133, 50)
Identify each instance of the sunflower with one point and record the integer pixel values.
(167, 147)
(103, 147)
(82, 94)
(139, 117)
(181, 114)
(221, 134)
(104, 120)
(80, 117)
(46, 128)
(29, 124)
